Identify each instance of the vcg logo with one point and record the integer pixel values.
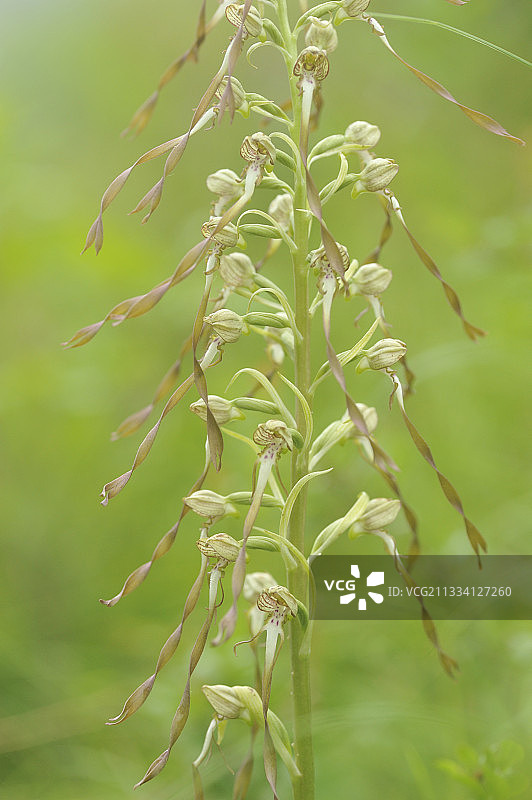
(356, 588)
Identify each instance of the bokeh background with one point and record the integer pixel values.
(72, 74)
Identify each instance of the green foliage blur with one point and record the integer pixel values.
(386, 715)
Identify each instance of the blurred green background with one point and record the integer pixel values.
(72, 74)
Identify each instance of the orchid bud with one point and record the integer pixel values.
(235, 702)
(259, 148)
(223, 700)
(371, 279)
(312, 61)
(226, 324)
(255, 583)
(383, 354)
(252, 23)
(282, 210)
(354, 8)
(378, 174)
(228, 236)
(219, 545)
(273, 432)
(236, 269)
(378, 514)
(225, 183)
(363, 134)
(222, 409)
(239, 93)
(210, 505)
(321, 34)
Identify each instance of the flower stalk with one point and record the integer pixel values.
(294, 220)
(298, 579)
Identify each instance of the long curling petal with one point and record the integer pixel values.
(115, 486)
(483, 120)
(176, 147)
(181, 715)
(476, 539)
(448, 663)
(141, 694)
(140, 574)
(143, 114)
(471, 330)
(141, 304)
(134, 421)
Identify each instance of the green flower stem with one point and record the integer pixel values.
(298, 577)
